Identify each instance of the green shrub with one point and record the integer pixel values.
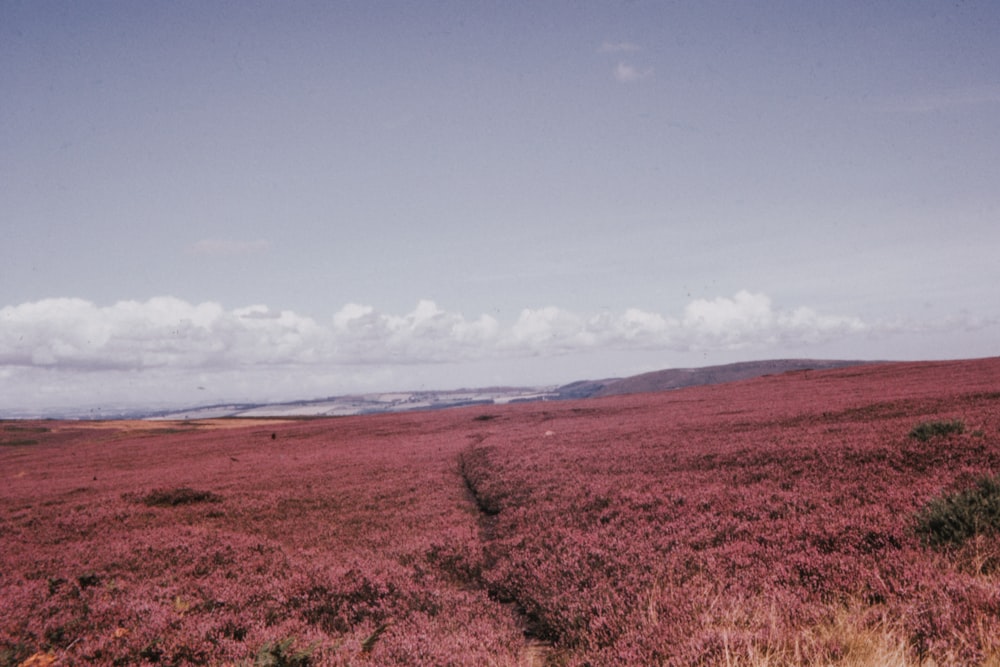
(924, 431)
(956, 517)
(181, 495)
(282, 654)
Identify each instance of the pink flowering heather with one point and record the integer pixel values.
(767, 522)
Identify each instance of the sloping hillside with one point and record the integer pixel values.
(793, 519)
(676, 378)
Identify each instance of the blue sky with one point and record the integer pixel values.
(211, 201)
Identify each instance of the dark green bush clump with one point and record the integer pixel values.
(283, 654)
(181, 495)
(924, 431)
(957, 517)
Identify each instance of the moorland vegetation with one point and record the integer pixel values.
(845, 517)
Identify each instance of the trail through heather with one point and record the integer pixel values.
(352, 537)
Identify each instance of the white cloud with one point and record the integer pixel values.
(161, 332)
(749, 319)
(228, 247)
(547, 329)
(170, 332)
(427, 334)
(626, 73)
(48, 347)
(731, 318)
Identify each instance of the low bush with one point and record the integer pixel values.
(956, 517)
(181, 495)
(283, 654)
(924, 431)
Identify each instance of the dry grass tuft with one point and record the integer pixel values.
(848, 640)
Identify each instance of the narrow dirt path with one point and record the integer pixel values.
(537, 652)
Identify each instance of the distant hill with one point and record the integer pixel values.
(405, 401)
(675, 378)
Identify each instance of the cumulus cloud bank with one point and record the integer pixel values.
(66, 352)
(169, 332)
